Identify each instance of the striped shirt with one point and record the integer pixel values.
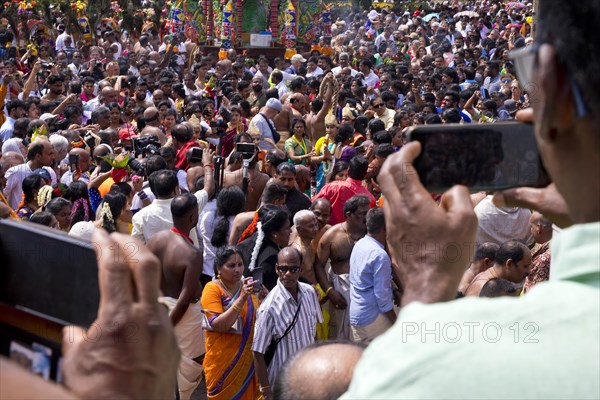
(276, 313)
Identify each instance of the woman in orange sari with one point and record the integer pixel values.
(230, 308)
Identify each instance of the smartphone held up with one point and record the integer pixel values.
(483, 157)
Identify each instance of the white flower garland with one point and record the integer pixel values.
(259, 240)
(106, 212)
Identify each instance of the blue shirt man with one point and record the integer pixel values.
(371, 298)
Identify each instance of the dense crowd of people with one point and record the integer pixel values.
(262, 188)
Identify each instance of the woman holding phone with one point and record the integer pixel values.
(229, 305)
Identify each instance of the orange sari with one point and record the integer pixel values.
(228, 364)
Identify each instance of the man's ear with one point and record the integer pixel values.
(555, 111)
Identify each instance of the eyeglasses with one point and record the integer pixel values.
(524, 61)
(294, 269)
(378, 105)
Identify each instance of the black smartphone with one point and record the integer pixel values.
(257, 278)
(196, 154)
(48, 273)
(483, 157)
(247, 150)
(73, 162)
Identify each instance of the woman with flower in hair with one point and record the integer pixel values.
(260, 249)
(107, 217)
(230, 310)
(81, 210)
(29, 204)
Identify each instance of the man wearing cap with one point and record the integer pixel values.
(264, 122)
(296, 61)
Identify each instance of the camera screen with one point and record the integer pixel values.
(479, 157)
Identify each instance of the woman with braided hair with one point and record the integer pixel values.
(259, 251)
(81, 210)
(107, 217)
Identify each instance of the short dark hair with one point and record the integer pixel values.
(14, 104)
(182, 205)
(52, 79)
(497, 287)
(375, 220)
(382, 136)
(163, 182)
(358, 168)
(356, 201)
(155, 163)
(285, 166)
(181, 133)
(510, 250)
(486, 250)
(272, 193)
(560, 23)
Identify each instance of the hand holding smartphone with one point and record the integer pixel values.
(483, 157)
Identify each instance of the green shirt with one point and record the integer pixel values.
(542, 345)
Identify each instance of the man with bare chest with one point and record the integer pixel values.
(322, 210)
(181, 263)
(336, 247)
(306, 226)
(512, 263)
(254, 186)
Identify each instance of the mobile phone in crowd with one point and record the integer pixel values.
(73, 162)
(483, 157)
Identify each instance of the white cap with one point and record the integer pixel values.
(298, 57)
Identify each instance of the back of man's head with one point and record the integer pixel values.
(510, 250)
(163, 183)
(375, 221)
(182, 205)
(358, 168)
(299, 379)
(498, 287)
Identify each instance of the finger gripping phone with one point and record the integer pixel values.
(73, 162)
(483, 157)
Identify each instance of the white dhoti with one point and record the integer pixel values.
(190, 338)
(341, 284)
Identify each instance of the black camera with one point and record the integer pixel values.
(146, 145)
(247, 150)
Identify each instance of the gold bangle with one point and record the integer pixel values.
(236, 307)
(327, 291)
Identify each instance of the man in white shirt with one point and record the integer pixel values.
(15, 109)
(39, 155)
(370, 79)
(344, 60)
(313, 70)
(157, 216)
(263, 123)
(60, 40)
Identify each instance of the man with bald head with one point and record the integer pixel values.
(83, 166)
(290, 306)
(152, 117)
(306, 226)
(328, 366)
